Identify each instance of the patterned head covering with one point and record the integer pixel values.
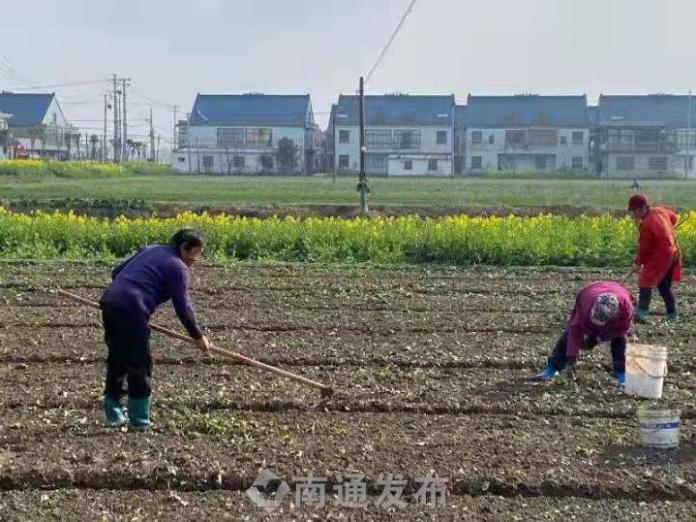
(604, 309)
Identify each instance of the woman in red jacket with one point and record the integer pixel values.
(658, 258)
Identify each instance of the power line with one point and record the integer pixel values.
(391, 39)
(71, 84)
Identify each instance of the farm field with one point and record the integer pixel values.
(190, 191)
(430, 366)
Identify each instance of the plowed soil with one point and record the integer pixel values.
(431, 367)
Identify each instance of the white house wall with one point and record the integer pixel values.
(54, 110)
(419, 167)
(204, 143)
(428, 145)
(489, 151)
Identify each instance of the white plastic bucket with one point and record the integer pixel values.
(646, 369)
(659, 428)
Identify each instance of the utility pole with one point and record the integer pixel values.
(104, 154)
(188, 139)
(158, 149)
(152, 139)
(363, 188)
(687, 163)
(117, 137)
(175, 141)
(124, 141)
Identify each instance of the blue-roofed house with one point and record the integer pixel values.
(646, 136)
(404, 134)
(240, 133)
(37, 126)
(526, 132)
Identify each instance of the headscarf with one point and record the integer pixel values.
(604, 309)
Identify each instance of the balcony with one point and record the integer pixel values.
(647, 147)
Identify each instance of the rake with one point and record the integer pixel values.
(326, 391)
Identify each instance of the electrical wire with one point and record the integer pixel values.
(391, 39)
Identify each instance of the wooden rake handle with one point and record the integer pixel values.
(221, 351)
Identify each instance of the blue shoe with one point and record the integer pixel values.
(673, 317)
(114, 412)
(620, 378)
(139, 412)
(547, 374)
(640, 315)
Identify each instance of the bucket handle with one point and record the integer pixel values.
(648, 373)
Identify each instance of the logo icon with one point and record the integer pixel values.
(268, 491)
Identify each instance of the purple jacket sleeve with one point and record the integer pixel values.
(179, 290)
(575, 337)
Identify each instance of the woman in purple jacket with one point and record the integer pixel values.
(603, 312)
(140, 284)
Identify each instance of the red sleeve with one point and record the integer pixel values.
(673, 217)
(644, 242)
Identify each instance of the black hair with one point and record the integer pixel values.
(188, 238)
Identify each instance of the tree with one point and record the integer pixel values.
(4, 140)
(35, 133)
(287, 156)
(93, 140)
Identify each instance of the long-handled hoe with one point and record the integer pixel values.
(326, 391)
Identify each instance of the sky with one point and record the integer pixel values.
(173, 49)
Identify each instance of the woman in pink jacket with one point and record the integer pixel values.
(603, 312)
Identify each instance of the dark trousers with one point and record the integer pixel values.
(127, 337)
(559, 359)
(665, 289)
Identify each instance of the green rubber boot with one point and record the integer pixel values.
(114, 412)
(139, 412)
(641, 315)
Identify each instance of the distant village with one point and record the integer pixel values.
(623, 136)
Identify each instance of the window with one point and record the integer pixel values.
(238, 162)
(564, 140)
(476, 162)
(258, 137)
(577, 163)
(540, 162)
(378, 139)
(408, 165)
(491, 139)
(657, 163)
(344, 136)
(542, 136)
(476, 137)
(229, 138)
(578, 138)
(407, 139)
(625, 163)
(441, 138)
(515, 138)
(343, 161)
(207, 162)
(181, 159)
(432, 165)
